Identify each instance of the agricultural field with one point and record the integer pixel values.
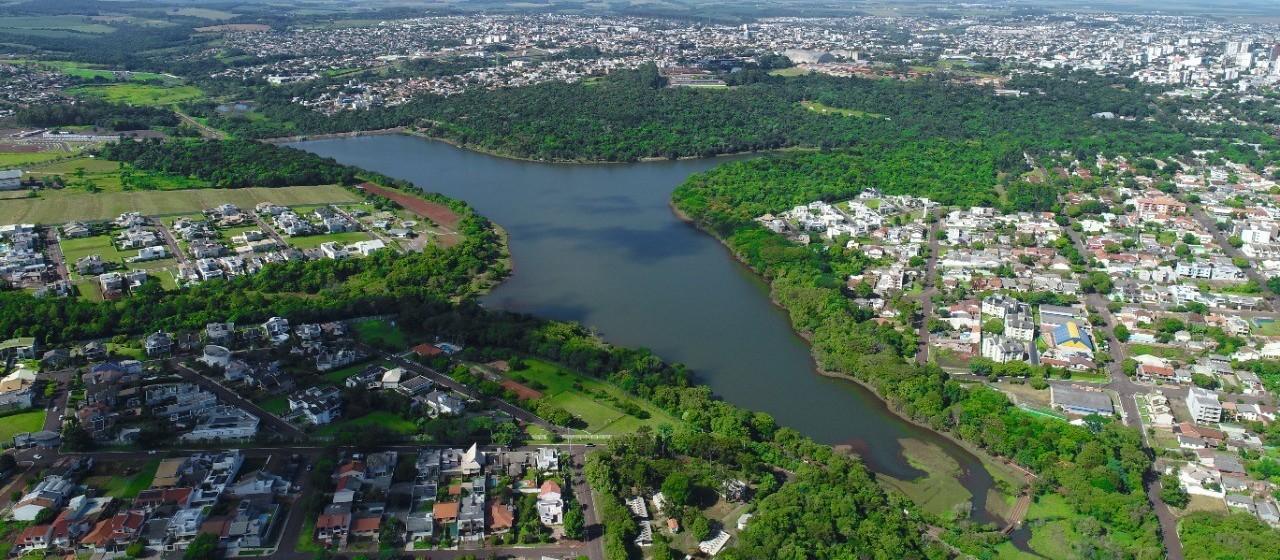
(202, 13)
(60, 207)
(22, 422)
(53, 26)
(590, 402)
(141, 94)
(84, 174)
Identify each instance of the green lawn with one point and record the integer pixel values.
(824, 109)
(385, 419)
(141, 94)
(21, 159)
(381, 333)
(602, 417)
(22, 422)
(60, 207)
(314, 241)
(74, 249)
(125, 487)
(1166, 352)
(276, 405)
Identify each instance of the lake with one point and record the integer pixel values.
(599, 245)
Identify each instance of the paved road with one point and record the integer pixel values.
(205, 130)
(930, 287)
(1127, 390)
(1211, 225)
(172, 241)
(269, 420)
(54, 251)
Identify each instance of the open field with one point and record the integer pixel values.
(823, 109)
(22, 422)
(602, 417)
(792, 71)
(381, 418)
(92, 71)
(380, 333)
(314, 241)
(202, 13)
(74, 249)
(137, 476)
(89, 175)
(62, 207)
(11, 159)
(50, 26)
(141, 94)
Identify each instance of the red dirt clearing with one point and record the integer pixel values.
(438, 213)
(522, 392)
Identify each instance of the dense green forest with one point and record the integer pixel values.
(232, 163)
(1099, 470)
(96, 112)
(1237, 536)
(630, 115)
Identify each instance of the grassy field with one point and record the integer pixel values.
(381, 333)
(823, 109)
(79, 173)
(49, 26)
(314, 241)
(602, 417)
(1161, 351)
(387, 420)
(74, 249)
(90, 71)
(276, 405)
(141, 94)
(112, 484)
(21, 159)
(203, 13)
(22, 422)
(59, 207)
(792, 71)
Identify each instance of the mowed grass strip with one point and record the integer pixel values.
(60, 208)
(20, 423)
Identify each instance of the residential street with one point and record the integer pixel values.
(930, 288)
(1211, 225)
(1126, 390)
(268, 420)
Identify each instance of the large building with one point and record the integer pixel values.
(1204, 406)
(10, 180)
(1070, 337)
(1080, 401)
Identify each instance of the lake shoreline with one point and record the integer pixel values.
(982, 456)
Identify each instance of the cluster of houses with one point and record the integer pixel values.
(453, 495)
(23, 263)
(731, 490)
(201, 493)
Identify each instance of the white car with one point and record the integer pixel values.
(37, 456)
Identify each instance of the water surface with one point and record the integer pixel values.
(599, 245)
